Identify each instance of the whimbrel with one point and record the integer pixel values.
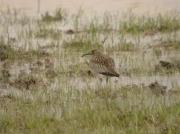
(101, 64)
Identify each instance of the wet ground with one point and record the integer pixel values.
(137, 54)
(44, 81)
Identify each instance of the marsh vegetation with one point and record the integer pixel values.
(46, 87)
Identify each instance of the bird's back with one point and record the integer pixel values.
(103, 64)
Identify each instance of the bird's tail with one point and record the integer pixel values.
(111, 74)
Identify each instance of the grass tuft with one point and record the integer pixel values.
(59, 15)
(81, 45)
(143, 24)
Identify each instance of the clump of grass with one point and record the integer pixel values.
(58, 16)
(31, 54)
(95, 27)
(170, 45)
(81, 45)
(50, 74)
(142, 24)
(101, 25)
(5, 51)
(47, 33)
(133, 24)
(168, 67)
(26, 82)
(4, 75)
(157, 52)
(88, 111)
(11, 54)
(126, 46)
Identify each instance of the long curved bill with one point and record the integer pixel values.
(86, 54)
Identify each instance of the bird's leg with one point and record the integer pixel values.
(107, 79)
(101, 80)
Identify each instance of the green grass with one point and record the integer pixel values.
(124, 47)
(11, 54)
(161, 23)
(59, 15)
(47, 33)
(169, 45)
(89, 111)
(133, 24)
(81, 45)
(64, 98)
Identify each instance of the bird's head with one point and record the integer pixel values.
(92, 52)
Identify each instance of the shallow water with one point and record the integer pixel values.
(127, 61)
(100, 6)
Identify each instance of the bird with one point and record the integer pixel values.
(101, 64)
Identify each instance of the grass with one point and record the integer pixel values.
(89, 111)
(59, 15)
(47, 33)
(81, 45)
(45, 86)
(11, 54)
(133, 24)
(124, 47)
(169, 45)
(143, 24)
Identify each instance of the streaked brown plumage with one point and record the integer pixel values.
(102, 64)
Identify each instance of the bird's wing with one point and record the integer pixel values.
(110, 63)
(102, 64)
